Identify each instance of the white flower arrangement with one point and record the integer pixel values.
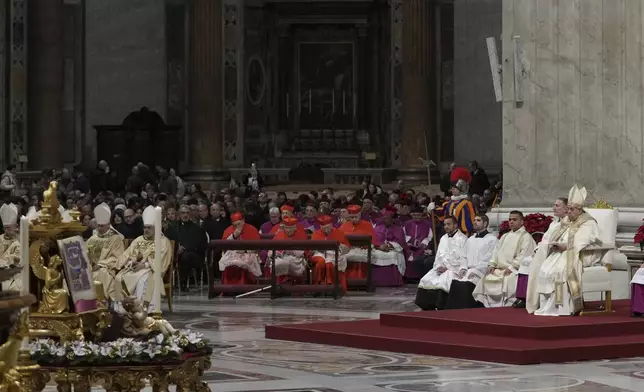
(120, 350)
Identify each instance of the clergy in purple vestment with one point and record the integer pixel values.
(368, 212)
(418, 232)
(274, 220)
(387, 232)
(309, 221)
(390, 246)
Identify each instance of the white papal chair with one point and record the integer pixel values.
(597, 277)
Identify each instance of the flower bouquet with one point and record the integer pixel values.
(157, 349)
(535, 224)
(639, 237)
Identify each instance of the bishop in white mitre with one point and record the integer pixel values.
(555, 289)
(138, 264)
(479, 249)
(10, 244)
(450, 260)
(104, 247)
(498, 287)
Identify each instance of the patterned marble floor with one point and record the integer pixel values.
(243, 361)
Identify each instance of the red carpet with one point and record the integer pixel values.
(504, 335)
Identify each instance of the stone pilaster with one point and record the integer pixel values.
(46, 83)
(17, 112)
(206, 86)
(4, 19)
(234, 79)
(396, 72)
(417, 109)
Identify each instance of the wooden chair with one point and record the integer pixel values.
(168, 277)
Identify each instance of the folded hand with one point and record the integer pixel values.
(138, 266)
(440, 270)
(507, 272)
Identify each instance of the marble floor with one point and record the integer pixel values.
(244, 361)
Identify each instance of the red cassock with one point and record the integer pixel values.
(323, 272)
(356, 270)
(237, 275)
(281, 235)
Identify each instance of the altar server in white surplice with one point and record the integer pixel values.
(499, 285)
(559, 278)
(553, 234)
(479, 249)
(450, 260)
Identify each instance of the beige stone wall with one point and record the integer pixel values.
(581, 119)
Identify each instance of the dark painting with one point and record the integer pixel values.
(326, 85)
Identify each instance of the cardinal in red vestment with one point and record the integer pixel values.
(240, 266)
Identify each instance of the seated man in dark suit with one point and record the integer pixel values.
(192, 241)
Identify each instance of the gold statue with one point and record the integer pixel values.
(49, 214)
(10, 350)
(49, 196)
(55, 299)
(137, 323)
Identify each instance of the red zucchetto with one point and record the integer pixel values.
(325, 220)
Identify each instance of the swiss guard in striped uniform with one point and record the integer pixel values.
(460, 207)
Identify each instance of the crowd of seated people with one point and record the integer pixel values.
(405, 225)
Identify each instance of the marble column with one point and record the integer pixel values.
(418, 122)
(206, 87)
(45, 83)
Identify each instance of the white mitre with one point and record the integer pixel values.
(103, 214)
(33, 214)
(65, 217)
(9, 214)
(148, 216)
(577, 196)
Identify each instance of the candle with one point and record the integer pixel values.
(157, 273)
(344, 106)
(310, 101)
(24, 254)
(333, 101)
(355, 106)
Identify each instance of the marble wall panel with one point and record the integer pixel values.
(125, 62)
(632, 140)
(477, 115)
(591, 90)
(508, 139)
(546, 89)
(580, 120)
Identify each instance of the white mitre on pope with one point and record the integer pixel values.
(9, 214)
(149, 216)
(102, 214)
(577, 196)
